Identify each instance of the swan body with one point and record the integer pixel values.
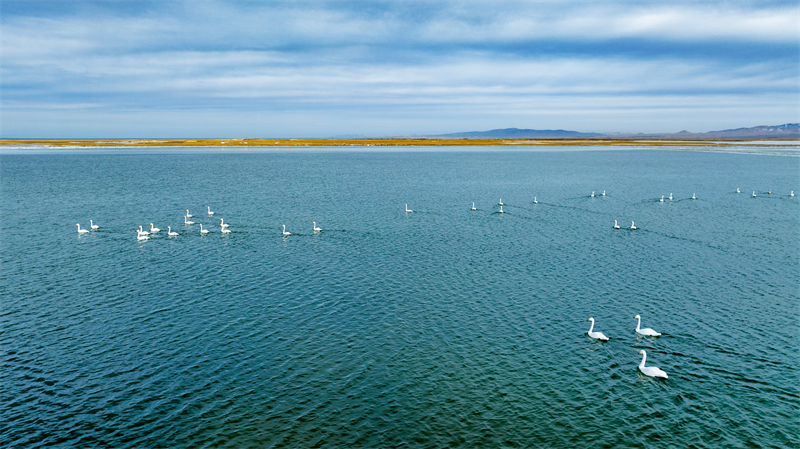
(651, 371)
(535, 201)
(93, 226)
(286, 234)
(408, 210)
(209, 210)
(694, 197)
(226, 231)
(616, 226)
(501, 209)
(316, 229)
(662, 198)
(737, 190)
(203, 231)
(188, 215)
(81, 231)
(143, 232)
(153, 229)
(596, 335)
(473, 206)
(187, 222)
(633, 227)
(170, 232)
(222, 224)
(646, 331)
(141, 236)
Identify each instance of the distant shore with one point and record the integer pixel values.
(420, 141)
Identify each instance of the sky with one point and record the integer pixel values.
(227, 69)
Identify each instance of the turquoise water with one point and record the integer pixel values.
(444, 327)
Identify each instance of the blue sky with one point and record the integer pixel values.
(320, 69)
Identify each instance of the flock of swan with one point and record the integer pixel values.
(145, 235)
(651, 371)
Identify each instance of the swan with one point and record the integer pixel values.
(616, 226)
(170, 232)
(662, 198)
(222, 223)
(501, 209)
(153, 230)
(93, 226)
(209, 210)
(501, 202)
(188, 215)
(670, 197)
(316, 229)
(143, 232)
(792, 194)
(81, 231)
(604, 193)
(596, 335)
(187, 222)
(651, 371)
(535, 201)
(226, 231)
(141, 236)
(769, 192)
(754, 193)
(203, 231)
(694, 197)
(473, 206)
(633, 227)
(286, 234)
(646, 331)
(408, 210)
(737, 190)
(592, 194)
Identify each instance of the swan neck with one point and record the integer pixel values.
(591, 327)
(644, 357)
(638, 323)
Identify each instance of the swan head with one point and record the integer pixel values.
(637, 316)
(590, 319)
(642, 352)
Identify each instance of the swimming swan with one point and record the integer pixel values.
(226, 231)
(222, 223)
(501, 209)
(408, 210)
(501, 202)
(535, 201)
(93, 226)
(203, 231)
(646, 331)
(473, 206)
(154, 230)
(694, 197)
(651, 371)
(737, 190)
(616, 226)
(141, 236)
(187, 222)
(316, 229)
(286, 234)
(596, 335)
(754, 193)
(662, 198)
(143, 232)
(170, 232)
(592, 194)
(209, 210)
(188, 215)
(81, 231)
(670, 197)
(633, 227)
(604, 193)
(792, 194)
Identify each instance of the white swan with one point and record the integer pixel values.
(141, 236)
(170, 232)
(501, 209)
(93, 226)
(592, 194)
(209, 210)
(143, 232)
(596, 335)
(633, 227)
(646, 331)
(754, 193)
(286, 234)
(662, 198)
(187, 222)
(473, 206)
(501, 202)
(81, 231)
(694, 197)
(769, 192)
(670, 197)
(153, 229)
(222, 224)
(792, 194)
(535, 201)
(616, 226)
(316, 229)
(226, 231)
(203, 231)
(737, 190)
(651, 371)
(408, 210)
(604, 193)
(188, 215)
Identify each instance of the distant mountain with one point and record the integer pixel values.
(517, 133)
(786, 131)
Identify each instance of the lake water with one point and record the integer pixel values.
(444, 327)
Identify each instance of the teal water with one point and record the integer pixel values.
(445, 327)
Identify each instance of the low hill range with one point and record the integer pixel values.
(786, 131)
